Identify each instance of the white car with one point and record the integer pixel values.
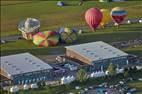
(71, 67)
(140, 79)
(34, 86)
(14, 89)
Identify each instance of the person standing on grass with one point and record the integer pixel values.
(81, 2)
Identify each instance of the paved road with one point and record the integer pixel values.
(11, 38)
(136, 20)
(16, 37)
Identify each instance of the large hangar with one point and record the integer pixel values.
(99, 54)
(24, 68)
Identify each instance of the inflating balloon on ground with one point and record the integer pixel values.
(118, 15)
(29, 27)
(60, 3)
(46, 38)
(68, 35)
(93, 17)
(103, 0)
(106, 17)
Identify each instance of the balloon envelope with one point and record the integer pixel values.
(68, 35)
(46, 38)
(118, 14)
(60, 3)
(29, 25)
(103, 0)
(106, 16)
(93, 17)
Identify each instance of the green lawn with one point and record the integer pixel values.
(52, 16)
(14, 2)
(108, 35)
(27, 46)
(134, 50)
(47, 90)
(137, 85)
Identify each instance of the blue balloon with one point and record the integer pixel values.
(60, 3)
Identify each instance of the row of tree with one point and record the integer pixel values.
(82, 74)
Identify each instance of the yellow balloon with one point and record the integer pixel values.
(67, 30)
(106, 17)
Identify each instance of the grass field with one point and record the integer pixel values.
(107, 35)
(134, 50)
(137, 85)
(52, 16)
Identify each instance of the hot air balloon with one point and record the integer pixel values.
(46, 38)
(60, 3)
(106, 17)
(68, 35)
(103, 0)
(118, 14)
(93, 17)
(29, 27)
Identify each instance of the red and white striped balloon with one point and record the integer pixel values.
(93, 17)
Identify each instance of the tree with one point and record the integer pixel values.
(81, 75)
(126, 73)
(2, 91)
(41, 84)
(111, 70)
(134, 69)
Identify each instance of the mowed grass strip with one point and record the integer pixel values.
(137, 50)
(137, 85)
(53, 17)
(27, 46)
(12, 2)
(83, 38)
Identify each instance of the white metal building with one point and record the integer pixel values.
(97, 54)
(24, 68)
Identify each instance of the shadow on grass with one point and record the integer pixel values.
(135, 52)
(38, 51)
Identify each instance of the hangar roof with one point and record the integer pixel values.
(22, 63)
(95, 51)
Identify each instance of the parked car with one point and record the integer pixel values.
(90, 87)
(58, 70)
(132, 58)
(133, 90)
(70, 67)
